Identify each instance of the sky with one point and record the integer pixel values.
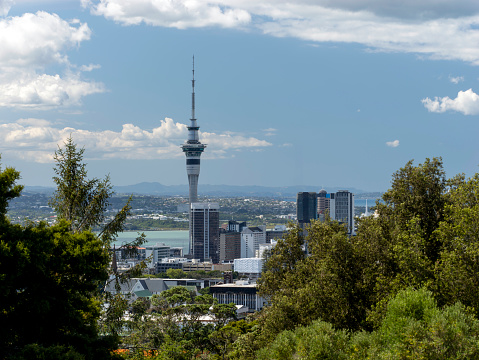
(320, 93)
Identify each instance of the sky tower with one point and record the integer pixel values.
(193, 148)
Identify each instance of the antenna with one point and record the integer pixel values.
(193, 92)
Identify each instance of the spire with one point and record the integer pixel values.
(193, 92)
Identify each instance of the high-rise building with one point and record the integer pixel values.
(306, 207)
(251, 237)
(236, 226)
(230, 245)
(342, 209)
(193, 148)
(323, 204)
(204, 231)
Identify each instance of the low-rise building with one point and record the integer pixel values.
(250, 267)
(239, 293)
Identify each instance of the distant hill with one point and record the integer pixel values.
(39, 190)
(154, 188)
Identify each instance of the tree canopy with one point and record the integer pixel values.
(49, 282)
(424, 235)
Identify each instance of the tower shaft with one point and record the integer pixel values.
(193, 148)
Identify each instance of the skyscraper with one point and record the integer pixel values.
(342, 209)
(205, 231)
(193, 148)
(306, 207)
(323, 204)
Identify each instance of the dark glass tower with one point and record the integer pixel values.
(204, 232)
(306, 207)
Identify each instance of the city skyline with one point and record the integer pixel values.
(288, 94)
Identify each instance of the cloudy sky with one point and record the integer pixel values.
(317, 92)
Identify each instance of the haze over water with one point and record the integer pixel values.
(174, 238)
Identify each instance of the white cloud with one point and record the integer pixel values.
(29, 90)
(37, 139)
(34, 122)
(270, 132)
(5, 6)
(393, 144)
(36, 40)
(174, 13)
(89, 67)
(466, 102)
(456, 79)
(436, 28)
(28, 45)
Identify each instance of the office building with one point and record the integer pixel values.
(251, 237)
(279, 232)
(324, 206)
(342, 209)
(230, 245)
(204, 231)
(306, 207)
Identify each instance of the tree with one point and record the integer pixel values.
(417, 192)
(414, 327)
(348, 281)
(175, 273)
(83, 202)
(303, 288)
(80, 201)
(172, 326)
(49, 281)
(457, 271)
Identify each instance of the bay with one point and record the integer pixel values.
(173, 238)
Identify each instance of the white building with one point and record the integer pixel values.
(160, 251)
(249, 266)
(239, 293)
(251, 237)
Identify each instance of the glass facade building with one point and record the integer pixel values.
(204, 231)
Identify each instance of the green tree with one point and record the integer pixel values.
(174, 321)
(84, 202)
(457, 272)
(414, 327)
(49, 282)
(348, 281)
(80, 201)
(176, 274)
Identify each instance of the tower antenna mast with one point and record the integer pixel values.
(193, 92)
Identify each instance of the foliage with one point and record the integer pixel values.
(176, 274)
(424, 235)
(414, 327)
(457, 272)
(49, 279)
(82, 202)
(322, 285)
(171, 324)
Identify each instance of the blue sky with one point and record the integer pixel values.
(288, 93)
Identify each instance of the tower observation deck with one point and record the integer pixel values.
(193, 148)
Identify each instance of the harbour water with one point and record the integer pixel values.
(176, 238)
